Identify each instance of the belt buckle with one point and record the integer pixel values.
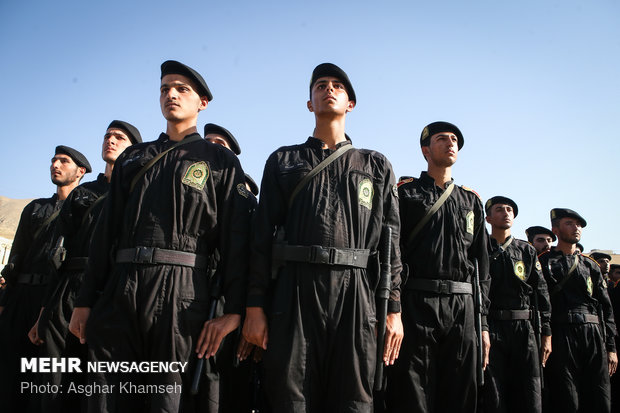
(320, 255)
(144, 255)
(444, 287)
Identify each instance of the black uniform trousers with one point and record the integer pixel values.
(436, 368)
(512, 377)
(153, 313)
(322, 346)
(60, 342)
(577, 374)
(16, 320)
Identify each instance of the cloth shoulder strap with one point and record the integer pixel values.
(46, 223)
(502, 248)
(92, 206)
(153, 161)
(442, 199)
(331, 158)
(561, 284)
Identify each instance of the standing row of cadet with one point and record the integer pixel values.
(309, 299)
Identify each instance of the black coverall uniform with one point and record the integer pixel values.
(614, 296)
(436, 368)
(577, 371)
(75, 223)
(152, 308)
(322, 346)
(512, 378)
(22, 301)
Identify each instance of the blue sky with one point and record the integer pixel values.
(533, 85)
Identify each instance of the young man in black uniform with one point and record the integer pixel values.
(320, 338)
(221, 136)
(603, 260)
(578, 370)
(614, 296)
(237, 388)
(171, 203)
(436, 369)
(27, 275)
(541, 238)
(75, 224)
(519, 312)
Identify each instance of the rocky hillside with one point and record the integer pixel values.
(10, 211)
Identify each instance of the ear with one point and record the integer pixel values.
(204, 102)
(81, 172)
(309, 104)
(555, 230)
(487, 219)
(350, 105)
(425, 150)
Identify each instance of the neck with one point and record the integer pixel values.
(64, 191)
(500, 235)
(178, 130)
(108, 170)
(565, 247)
(330, 132)
(441, 174)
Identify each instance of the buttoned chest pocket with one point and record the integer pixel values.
(291, 174)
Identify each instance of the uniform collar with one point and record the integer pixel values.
(317, 143)
(428, 180)
(163, 137)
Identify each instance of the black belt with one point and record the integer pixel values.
(33, 279)
(315, 254)
(510, 315)
(153, 255)
(575, 318)
(439, 286)
(75, 264)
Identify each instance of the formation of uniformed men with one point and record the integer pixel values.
(293, 303)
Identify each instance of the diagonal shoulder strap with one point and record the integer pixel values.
(153, 161)
(46, 223)
(92, 206)
(442, 199)
(331, 158)
(502, 248)
(561, 284)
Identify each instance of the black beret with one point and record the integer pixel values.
(613, 267)
(132, 132)
(172, 67)
(531, 232)
(557, 213)
(330, 69)
(251, 184)
(437, 127)
(501, 200)
(225, 133)
(580, 246)
(78, 158)
(599, 255)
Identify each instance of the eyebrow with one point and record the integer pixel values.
(176, 83)
(320, 82)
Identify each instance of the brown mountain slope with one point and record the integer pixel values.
(10, 211)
